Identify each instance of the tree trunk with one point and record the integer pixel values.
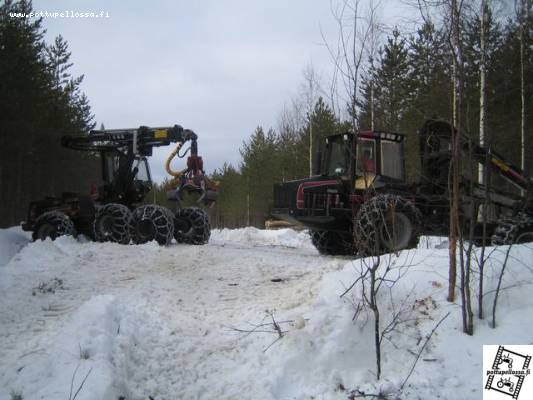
(455, 167)
(372, 105)
(524, 11)
(482, 83)
(375, 309)
(311, 145)
(482, 179)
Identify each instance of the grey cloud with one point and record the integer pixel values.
(218, 67)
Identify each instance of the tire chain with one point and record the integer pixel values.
(200, 230)
(161, 220)
(62, 222)
(331, 243)
(121, 223)
(509, 227)
(373, 211)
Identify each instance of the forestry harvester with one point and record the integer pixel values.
(359, 201)
(115, 211)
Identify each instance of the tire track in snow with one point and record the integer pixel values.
(190, 296)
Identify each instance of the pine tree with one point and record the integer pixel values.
(504, 98)
(260, 171)
(67, 88)
(57, 57)
(427, 86)
(38, 106)
(324, 123)
(292, 158)
(230, 210)
(391, 94)
(388, 94)
(24, 91)
(428, 78)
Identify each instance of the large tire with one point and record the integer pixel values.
(332, 243)
(112, 224)
(53, 224)
(515, 230)
(386, 223)
(151, 222)
(191, 226)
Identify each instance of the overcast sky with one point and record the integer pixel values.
(220, 68)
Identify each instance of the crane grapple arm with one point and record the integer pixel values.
(131, 141)
(491, 159)
(435, 145)
(128, 145)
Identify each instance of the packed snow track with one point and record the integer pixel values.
(153, 321)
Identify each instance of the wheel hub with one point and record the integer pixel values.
(47, 230)
(106, 225)
(182, 225)
(146, 228)
(397, 231)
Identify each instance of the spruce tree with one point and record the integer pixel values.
(39, 102)
(24, 91)
(324, 123)
(428, 84)
(230, 209)
(260, 171)
(391, 92)
(428, 78)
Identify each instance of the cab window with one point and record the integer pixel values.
(338, 162)
(391, 159)
(142, 169)
(366, 156)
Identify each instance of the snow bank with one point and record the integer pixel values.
(11, 241)
(97, 342)
(260, 237)
(333, 353)
(293, 239)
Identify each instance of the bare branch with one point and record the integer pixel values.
(422, 349)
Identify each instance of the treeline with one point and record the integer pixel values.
(408, 81)
(39, 102)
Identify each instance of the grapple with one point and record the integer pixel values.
(191, 179)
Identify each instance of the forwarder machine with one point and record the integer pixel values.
(115, 211)
(359, 201)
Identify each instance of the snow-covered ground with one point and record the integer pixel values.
(139, 322)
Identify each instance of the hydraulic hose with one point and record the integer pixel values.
(171, 156)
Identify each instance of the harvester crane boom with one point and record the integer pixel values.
(435, 151)
(488, 157)
(134, 141)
